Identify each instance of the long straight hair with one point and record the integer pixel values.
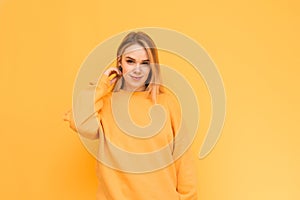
(154, 81)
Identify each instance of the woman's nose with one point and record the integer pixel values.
(137, 67)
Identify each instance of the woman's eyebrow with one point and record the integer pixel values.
(134, 59)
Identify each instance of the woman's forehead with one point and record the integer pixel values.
(136, 51)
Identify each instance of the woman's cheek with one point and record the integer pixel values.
(126, 69)
(147, 71)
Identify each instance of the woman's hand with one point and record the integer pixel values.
(68, 116)
(114, 74)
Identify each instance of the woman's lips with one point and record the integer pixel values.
(136, 77)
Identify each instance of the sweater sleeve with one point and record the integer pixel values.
(87, 113)
(185, 161)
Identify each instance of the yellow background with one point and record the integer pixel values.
(255, 45)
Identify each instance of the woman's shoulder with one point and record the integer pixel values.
(169, 98)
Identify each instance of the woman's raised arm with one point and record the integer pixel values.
(87, 122)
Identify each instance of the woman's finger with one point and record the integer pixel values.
(67, 116)
(112, 70)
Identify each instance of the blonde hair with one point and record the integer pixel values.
(154, 81)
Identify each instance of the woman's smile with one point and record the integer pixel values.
(137, 78)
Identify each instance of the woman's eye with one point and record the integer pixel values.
(129, 61)
(145, 63)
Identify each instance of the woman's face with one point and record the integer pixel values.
(136, 68)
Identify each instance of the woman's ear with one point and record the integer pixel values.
(119, 59)
(120, 68)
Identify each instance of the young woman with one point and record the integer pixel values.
(134, 86)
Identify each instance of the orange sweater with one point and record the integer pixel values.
(131, 163)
